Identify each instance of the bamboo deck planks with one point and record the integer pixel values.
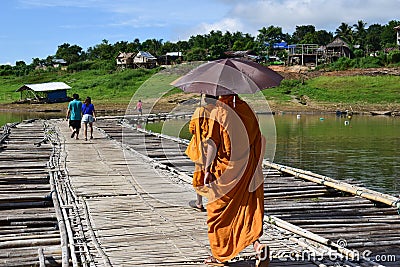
(125, 196)
(323, 209)
(27, 219)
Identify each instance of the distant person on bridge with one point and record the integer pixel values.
(89, 116)
(234, 177)
(74, 115)
(139, 106)
(197, 147)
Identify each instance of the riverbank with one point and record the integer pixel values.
(171, 102)
(304, 91)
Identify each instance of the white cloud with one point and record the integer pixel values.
(226, 24)
(323, 14)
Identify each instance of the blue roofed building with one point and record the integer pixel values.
(51, 92)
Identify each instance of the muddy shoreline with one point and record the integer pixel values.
(288, 107)
(294, 72)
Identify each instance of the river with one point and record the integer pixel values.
(364, 149)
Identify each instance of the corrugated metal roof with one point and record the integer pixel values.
(44, 87)
(146, 55)
(174, 54)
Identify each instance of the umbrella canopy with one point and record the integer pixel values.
(228, 76)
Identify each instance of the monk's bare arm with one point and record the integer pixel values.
(211, 152)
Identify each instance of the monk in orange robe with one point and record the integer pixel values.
(234, 177)
(197, 147)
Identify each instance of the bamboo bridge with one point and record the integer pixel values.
(121, 200)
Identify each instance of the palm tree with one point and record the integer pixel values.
(345, 32)
(360, 33)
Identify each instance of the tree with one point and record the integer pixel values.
(269, 36)
(198, 41)
(301, 32)
(345, 32)
(121, 46)
(323, 37)
(373, 38)
(70, 53)
(388, 34)
(196, 54)
(306, 34)
(169, 47)
(183, 45)
(216, 51)
(153, 46)
(360, 33)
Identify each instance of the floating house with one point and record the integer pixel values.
(51, 92)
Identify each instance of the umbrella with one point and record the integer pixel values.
(228, 76)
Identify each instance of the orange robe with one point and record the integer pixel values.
(197, 147)
(235, 206)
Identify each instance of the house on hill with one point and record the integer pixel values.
(144, 60)
(125, 60)
(172, 57)
(337, 48)
(141, 59)
(398, 34)
(51, 92)
(60, 63)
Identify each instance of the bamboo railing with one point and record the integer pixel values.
(339, 185)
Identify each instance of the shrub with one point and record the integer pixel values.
(394, 57)
(342, 63)
(79, 66)
(369, 62)
(358, 53)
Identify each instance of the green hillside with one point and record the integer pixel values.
(119, 86)
(369, 90)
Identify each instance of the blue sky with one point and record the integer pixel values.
(35, 28)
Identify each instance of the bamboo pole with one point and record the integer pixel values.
(304, 233)
(68, 225)
(41, 258)
(341, 186)
(61, 223)
(29, 243)
(99, 249)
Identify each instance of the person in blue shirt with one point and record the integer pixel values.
(74, 114)
(89, 116)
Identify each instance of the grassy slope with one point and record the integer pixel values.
(113, 87)
(377, 90)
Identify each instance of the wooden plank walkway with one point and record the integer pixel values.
(139, 214)
(317, 208)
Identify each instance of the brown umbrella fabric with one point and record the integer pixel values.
(228, 76)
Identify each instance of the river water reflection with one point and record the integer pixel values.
(365, 148)
(9, 117)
